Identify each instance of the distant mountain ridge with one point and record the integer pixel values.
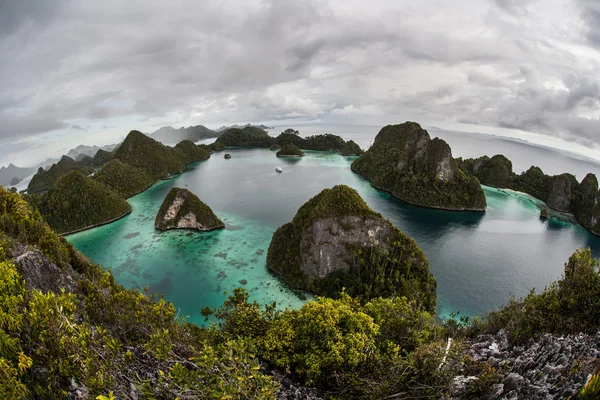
(224, 127)
(170, 135)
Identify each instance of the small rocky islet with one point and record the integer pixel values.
(182, 209)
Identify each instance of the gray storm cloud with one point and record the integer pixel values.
(528, 65)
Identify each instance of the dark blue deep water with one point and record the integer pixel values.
(478, 259)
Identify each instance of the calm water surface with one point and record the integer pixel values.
(478, 259)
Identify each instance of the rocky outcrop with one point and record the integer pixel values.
(42, 274)
(182, 209)
(550, 367)
(561, 194)
(275, 147)
(405, 161)
(336, 241)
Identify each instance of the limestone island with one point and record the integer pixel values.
(560, 192)
(290, 150)
(406, 162)
(227, 156)
(336, 241)
(182, 209)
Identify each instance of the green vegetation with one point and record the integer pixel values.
(184, 203)
(116, 343)
(350, 148)
(569, 305)
(157, 160)
(189, 152)
(406, 162)
(349, 350)
(275, 147)
(396, 267)
(544, 213)
(42, 180)
(289, 150)
(496, 171)
(75, 202)
(124, 178)
(217, 146)
(102, 337)
(249, 136)
(102, 157)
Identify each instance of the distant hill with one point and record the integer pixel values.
(7, 174)
(224, 128)
(82, 150)
(43, 180)
(170, 135)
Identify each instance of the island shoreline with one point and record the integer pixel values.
(413, 204)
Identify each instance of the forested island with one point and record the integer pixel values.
(256, 137)
(405, 161)
(336, 241)
(72, 196)
(560, 192)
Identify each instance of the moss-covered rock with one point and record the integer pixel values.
(544, 213)
(182, 209)
(43, 180)
(77, 202)
(289, 150)
(336, 241)
(350, 148)
(405, 161)
(275, 147)
(125, 179)
(587, 204)
(562, 193)
(227, 156)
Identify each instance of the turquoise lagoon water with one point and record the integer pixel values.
(478, 259)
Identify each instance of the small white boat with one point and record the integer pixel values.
(278, 169)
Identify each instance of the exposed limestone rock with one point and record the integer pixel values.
(182, 209)
(551, 367)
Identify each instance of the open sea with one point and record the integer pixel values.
(478, 259)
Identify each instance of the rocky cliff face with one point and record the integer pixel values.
(182, 209)
(327, 243)
(336, 241)
(550, 367)
(561, 194)
(415, 168)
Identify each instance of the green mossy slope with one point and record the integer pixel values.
(76, 202)
(124, 178)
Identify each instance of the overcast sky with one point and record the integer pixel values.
(89, 71)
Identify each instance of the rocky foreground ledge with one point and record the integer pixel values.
(551, 367)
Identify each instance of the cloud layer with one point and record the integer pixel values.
(83, 66)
